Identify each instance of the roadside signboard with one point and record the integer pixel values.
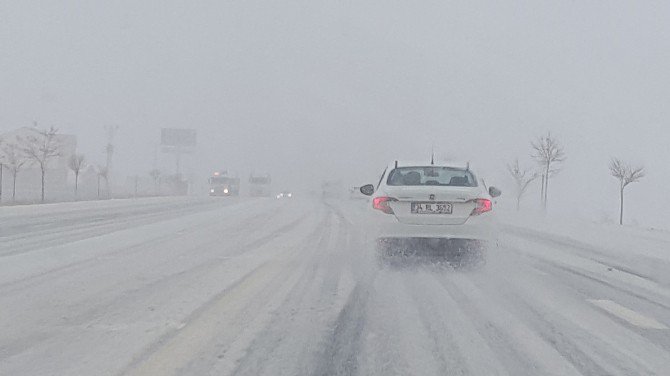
(178, 140)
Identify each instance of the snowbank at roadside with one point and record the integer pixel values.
(51, 208)
(640, 251)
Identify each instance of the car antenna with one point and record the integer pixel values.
(396, 164)
(432, 155)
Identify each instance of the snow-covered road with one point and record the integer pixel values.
(289, 287)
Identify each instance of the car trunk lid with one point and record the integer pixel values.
(458, 199)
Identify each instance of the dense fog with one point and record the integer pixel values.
(311, 91)
(199, 187)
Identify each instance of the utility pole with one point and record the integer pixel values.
(1, 174)
(178, 160)
(109, 149)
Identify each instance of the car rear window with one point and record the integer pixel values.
(431, 175)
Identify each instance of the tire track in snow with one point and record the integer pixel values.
(196, 346)
(586, 286)
(106, 304)
(519, 349)
(174, 278)
(342, 348)
(120, 251)
(69, 231)
(458, 346)
(543, 322)
(289, 321)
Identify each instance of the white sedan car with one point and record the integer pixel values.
(443, 208)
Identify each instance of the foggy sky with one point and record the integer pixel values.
(311, 90)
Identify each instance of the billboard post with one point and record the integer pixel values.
(178, 142)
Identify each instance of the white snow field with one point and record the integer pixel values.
(203, 286)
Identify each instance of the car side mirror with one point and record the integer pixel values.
(368, 189)
(494, 192)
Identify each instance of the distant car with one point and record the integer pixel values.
(285, 194)
(442, 210)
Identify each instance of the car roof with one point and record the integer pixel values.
(449, 164)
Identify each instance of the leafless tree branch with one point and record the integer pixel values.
(522, 179)
(14, 159)
(626, 175)
(548, 153)
(41, 148)
(76, 163)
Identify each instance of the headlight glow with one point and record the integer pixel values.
(225, 190)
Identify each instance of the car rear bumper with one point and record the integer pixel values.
(475, 228)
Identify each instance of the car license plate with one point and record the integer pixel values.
(432, 208)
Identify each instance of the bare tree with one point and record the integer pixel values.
(41, 148)
(548, 152)
(103, 173)
(626, 175)
(14, 159)
(77, 162)
(522, 179)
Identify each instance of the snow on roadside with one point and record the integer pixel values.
(52, 208)
(643, 251)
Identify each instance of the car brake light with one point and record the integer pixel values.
(483, 205)
(382, 203)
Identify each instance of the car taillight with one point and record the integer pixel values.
(383, 204)
(483, 205)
